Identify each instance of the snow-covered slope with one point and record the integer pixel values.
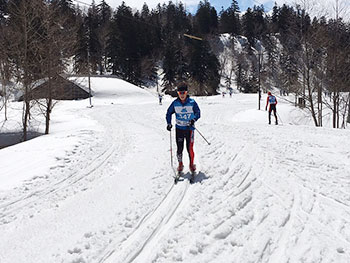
(99, 188)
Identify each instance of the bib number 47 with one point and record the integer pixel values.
(186, 116)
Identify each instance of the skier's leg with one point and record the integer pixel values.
(270, 115)
(189, 145)
(275, 113)
(180, 146)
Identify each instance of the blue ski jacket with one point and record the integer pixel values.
(184, 112)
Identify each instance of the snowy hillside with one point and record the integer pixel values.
(99, 188)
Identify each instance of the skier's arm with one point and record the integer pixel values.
(196, 111)
(169, 112)
(267, 102)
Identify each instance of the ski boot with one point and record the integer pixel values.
(193, 172)
(180, 168)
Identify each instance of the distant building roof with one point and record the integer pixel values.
(60, 88)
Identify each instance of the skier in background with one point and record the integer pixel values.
(160, 96)
(187, 113)
(273, 102)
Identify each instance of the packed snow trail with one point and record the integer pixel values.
(263, 193)
(71, 216)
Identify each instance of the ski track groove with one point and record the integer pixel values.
(149, 217)
(324, 196)
(149, 214)
(294, 209)
(73, 178)
(152, 224)
(94, 165)
(309, 217)
(346, 206)
(163, 222)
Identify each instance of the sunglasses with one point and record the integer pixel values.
(182, 92)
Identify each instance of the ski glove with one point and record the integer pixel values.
(169, 126)
(192, 122)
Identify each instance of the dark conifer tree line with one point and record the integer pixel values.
(288, 50)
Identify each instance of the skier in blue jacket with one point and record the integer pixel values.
(187, 113)
(273, 102)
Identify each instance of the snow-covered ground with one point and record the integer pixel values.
(99, 187)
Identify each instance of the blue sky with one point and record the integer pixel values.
(243, 4)
(313, 7)
(191, 5)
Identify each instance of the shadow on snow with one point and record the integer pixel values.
(200, 176)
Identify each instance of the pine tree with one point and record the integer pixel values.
(81, 49)
(123, 45)
(260, 22)
(254, 24)
(169, 65)
(289, 72)
(94, 45)
(249, 26)
(272, 61)
(206, 20)
(204, 68)
(274, 19)
(175, 59)
(104, 18)
(181, 23)
(229, 19)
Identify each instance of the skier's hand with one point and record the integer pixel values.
(265, 108)
(192, 122)
(169, 126)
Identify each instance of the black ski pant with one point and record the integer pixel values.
(181, 136)
(273, 108)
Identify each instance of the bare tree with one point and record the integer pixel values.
(55, 46)
(348, 119)
(338, 66)
(25, 26)
(320, 50)
(305, 58)
(5, 66)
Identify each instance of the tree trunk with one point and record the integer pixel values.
(312, 108)
(25, 119)
(48, 113)
(4, 94)
(319, 105)
(26, 79)
(48, 105)
(335, 110)
(338, 115)
(348, 120)
(5, 98)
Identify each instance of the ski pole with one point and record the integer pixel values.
(279, 117)
(171, 151)
(202, 136)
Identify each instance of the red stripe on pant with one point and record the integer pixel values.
(191, 147)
